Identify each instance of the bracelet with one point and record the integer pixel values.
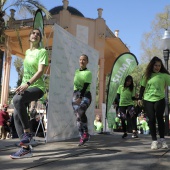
(28, 83)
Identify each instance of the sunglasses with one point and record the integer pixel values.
(36, 33)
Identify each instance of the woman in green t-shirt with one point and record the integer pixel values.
(142, 124)
(152, 91)
(82, 97)
(31, 89)
(98, 125)
(126, 97)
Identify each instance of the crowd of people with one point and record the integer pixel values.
(141, 122)
(7, 125)
(151, 98)
(129, 118)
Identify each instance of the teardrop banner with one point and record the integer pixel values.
(39, 23)
(123, 66)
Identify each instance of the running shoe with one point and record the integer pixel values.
(22, 153)
(155, 145)
(134, 135)
(81, 142)
(124, 135)
(26, 138)
(163, 144)
(86, 137)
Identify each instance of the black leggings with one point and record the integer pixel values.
(20, 102)
(124, 109)
(155, 111)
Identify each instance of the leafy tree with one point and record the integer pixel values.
(151, 44)
(22, 6)
(137, 75)
(18, 63)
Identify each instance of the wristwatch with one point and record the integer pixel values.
(28, 83)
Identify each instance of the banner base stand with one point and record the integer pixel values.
(106, 133)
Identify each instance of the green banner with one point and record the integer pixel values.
(122, 67)
(39, 23)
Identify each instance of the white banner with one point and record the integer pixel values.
(65, 60)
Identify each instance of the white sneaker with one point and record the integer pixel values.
(155, 145)
(164, 144)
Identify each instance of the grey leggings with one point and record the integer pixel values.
(21, 102)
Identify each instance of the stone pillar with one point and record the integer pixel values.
(100, 10)
(65, 4)
(65, 16)
(101, 81)
(104, 85)
(6, 77)
(11, 19)
(117, 33)
(100, 30)
(12, 13)
(1, 63)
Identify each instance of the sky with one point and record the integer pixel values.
(131, 17)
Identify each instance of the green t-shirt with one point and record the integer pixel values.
(81, 77)
(31, 62)
(125, 96)
(143, 124)
(117, 119)
(98, 125)
(155, 86)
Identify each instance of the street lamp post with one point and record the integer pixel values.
(166, 48)
(166, 58)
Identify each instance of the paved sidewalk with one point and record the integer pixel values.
(102, 152)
